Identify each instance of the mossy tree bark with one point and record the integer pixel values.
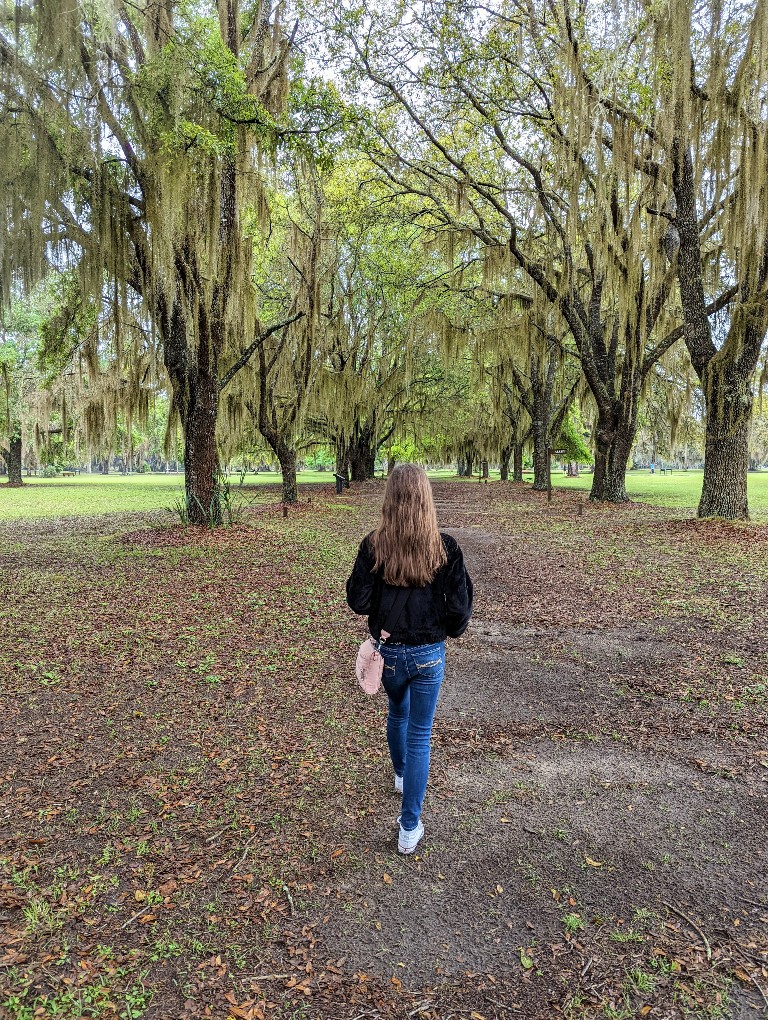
(615, 436)
(342, 460)
(504, 459)
(536, 393)
(11, 454)
(726, 373)
(517, 463)
(362, 456)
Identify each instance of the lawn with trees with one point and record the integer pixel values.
(249, 250)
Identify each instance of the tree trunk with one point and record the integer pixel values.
(287, 458)
(363, 463)
(726, 457)
(517, 469)
(506, 455)
(540, 472)
(201, 482)
(724, 373)
(484, 469)
(390, 465)
(615, 436)
(12, 458)
(465, 467)
(342, 462)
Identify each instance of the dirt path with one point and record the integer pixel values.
(594, 847)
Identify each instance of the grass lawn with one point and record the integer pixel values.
(87, 495)
(102, 494)
(679, 489)
(675, 489)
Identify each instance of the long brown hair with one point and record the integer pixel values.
(407, 543)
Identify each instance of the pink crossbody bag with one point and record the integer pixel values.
(370, 662)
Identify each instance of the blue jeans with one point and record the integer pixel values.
(412, 678)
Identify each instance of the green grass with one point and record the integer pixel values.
(675, 489)
(678, 489)
(104, 494)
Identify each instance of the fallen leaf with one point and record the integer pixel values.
(387, 879)
(593, 864)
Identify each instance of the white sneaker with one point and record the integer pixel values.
(408, 841)
(398, 783)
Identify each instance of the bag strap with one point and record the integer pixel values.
(394, 614)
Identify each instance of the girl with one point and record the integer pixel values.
(407, 551)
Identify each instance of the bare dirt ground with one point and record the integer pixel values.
(197, 809)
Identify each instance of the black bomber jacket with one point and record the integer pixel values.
(438, 610)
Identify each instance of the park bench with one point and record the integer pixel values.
(67, 474)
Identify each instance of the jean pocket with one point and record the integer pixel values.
(429, 661)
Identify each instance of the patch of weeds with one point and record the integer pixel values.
(136, 1000)
(107, 854)
(134, 812)
(573, 1004)
(498, 797)
(205, 672)
(529, 871)
(617, 1012)
(39, 916)
(239, 956)
(573, 922)
(627, 935)
(639, 981)
(643, 915)
(165, 948)
(703, 1001)
(756, 693)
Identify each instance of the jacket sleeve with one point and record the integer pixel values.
(361, 581)
(459, 592)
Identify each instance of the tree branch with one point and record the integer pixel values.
(250, 350)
